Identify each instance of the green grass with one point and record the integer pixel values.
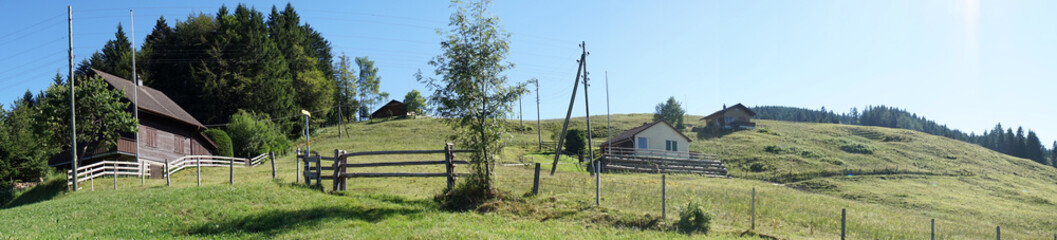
(801, 176)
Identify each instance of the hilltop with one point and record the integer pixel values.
(891, 181)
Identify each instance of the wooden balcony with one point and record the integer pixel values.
(126, 145)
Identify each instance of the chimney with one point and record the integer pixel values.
(139, 81)
(724, 106)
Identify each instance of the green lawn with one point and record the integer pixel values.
(798, 169)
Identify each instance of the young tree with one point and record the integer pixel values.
(345, 80)
(101, 115)
(671, 112)
(414, 102)
(368, 83)
(471, 93)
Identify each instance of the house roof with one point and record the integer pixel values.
(390, 104)
(629, 134)
(719, 113)
(151, 100)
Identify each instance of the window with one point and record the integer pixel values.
(150, 136)
(671, 145)
(642, 143)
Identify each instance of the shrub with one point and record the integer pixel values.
(253, 134)
(856, 148)
(758, 167)
(694, 218)
(222, 140)
(576, 141)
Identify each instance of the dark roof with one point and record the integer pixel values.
(627, 135)
(151, 100)
(391, 104)
(720, 112)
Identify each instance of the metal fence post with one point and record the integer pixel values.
(297, 165)
(843, 218)
(998, 232)
(932, 234)
(167, 182)
(536, 181)
(271, 157)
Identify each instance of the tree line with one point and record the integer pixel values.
(1018, 143)
(231, 69)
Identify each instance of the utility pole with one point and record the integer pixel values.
(587, 110)
(519, 114)
(568, 114)
(341, 98)
(73, 116)
(539, 131)
(609, 126)
(135, 80)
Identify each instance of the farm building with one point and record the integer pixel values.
(655, 137)
(167, 131)
(733, 117)
(392, 109)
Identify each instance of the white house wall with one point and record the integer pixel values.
(658, 134)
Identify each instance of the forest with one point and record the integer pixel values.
(1004, 140)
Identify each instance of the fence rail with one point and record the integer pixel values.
(338, 169)
(655, 161)
(143, 168)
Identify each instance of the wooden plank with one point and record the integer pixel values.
(401, 152)
(406, 163)
(393, 174)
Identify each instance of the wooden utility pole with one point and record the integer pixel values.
(587, 110)
(568, 114)
(520, 120)
(73, 116)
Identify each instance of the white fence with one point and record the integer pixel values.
(142, 168)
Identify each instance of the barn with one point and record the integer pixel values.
(393, 108)
(166, 130)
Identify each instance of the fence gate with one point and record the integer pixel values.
(338, 170)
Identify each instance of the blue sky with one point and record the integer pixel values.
(967, 64)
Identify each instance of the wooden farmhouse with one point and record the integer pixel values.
(656, 138)
(733, 117)
(166, 131)
(392, 109)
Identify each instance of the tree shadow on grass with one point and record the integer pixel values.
(275, 222)
(40, 193)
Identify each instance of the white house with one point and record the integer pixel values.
(657, 139)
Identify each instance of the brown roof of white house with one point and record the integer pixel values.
(629, 134)
(150, 99)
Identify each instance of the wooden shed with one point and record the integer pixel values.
(166, 130)
(392, 109)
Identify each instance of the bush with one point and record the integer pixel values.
(253, 134)
(694, 218)
(222, 140)
(856, 148)
(576, 141)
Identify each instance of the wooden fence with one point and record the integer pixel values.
(142, 169)
(338, 169)
(656, 161)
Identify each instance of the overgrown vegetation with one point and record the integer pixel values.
(223, 141)
(253, 134)
(696, 217)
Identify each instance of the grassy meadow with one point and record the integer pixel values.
(891, 181)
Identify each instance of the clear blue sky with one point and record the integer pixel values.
(968, 64)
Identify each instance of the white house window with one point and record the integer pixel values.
(642, 143)
(671, 145)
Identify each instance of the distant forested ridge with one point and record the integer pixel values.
(1005, 140)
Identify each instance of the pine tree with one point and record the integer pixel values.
(117, 55)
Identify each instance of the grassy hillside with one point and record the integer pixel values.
(899, 180)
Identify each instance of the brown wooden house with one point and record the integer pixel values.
(166, 131)
(392, 109)
(733, 117)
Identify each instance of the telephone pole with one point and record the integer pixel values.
(73, 116)
(587, 110)
(568, 114)
(539, 131)
(135, 82)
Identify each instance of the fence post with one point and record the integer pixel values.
(998, 232)
(297, 165)
(198, 167)
(231, 171)
(271, 157)
(449, 167)
(932, 235)
(843, 218)
(344, 181)
(664, 196)
(337, 169)
(115, 175)
(319, 170)
(536, 181)
(753, 209)
(167, 183)
(142, 178)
